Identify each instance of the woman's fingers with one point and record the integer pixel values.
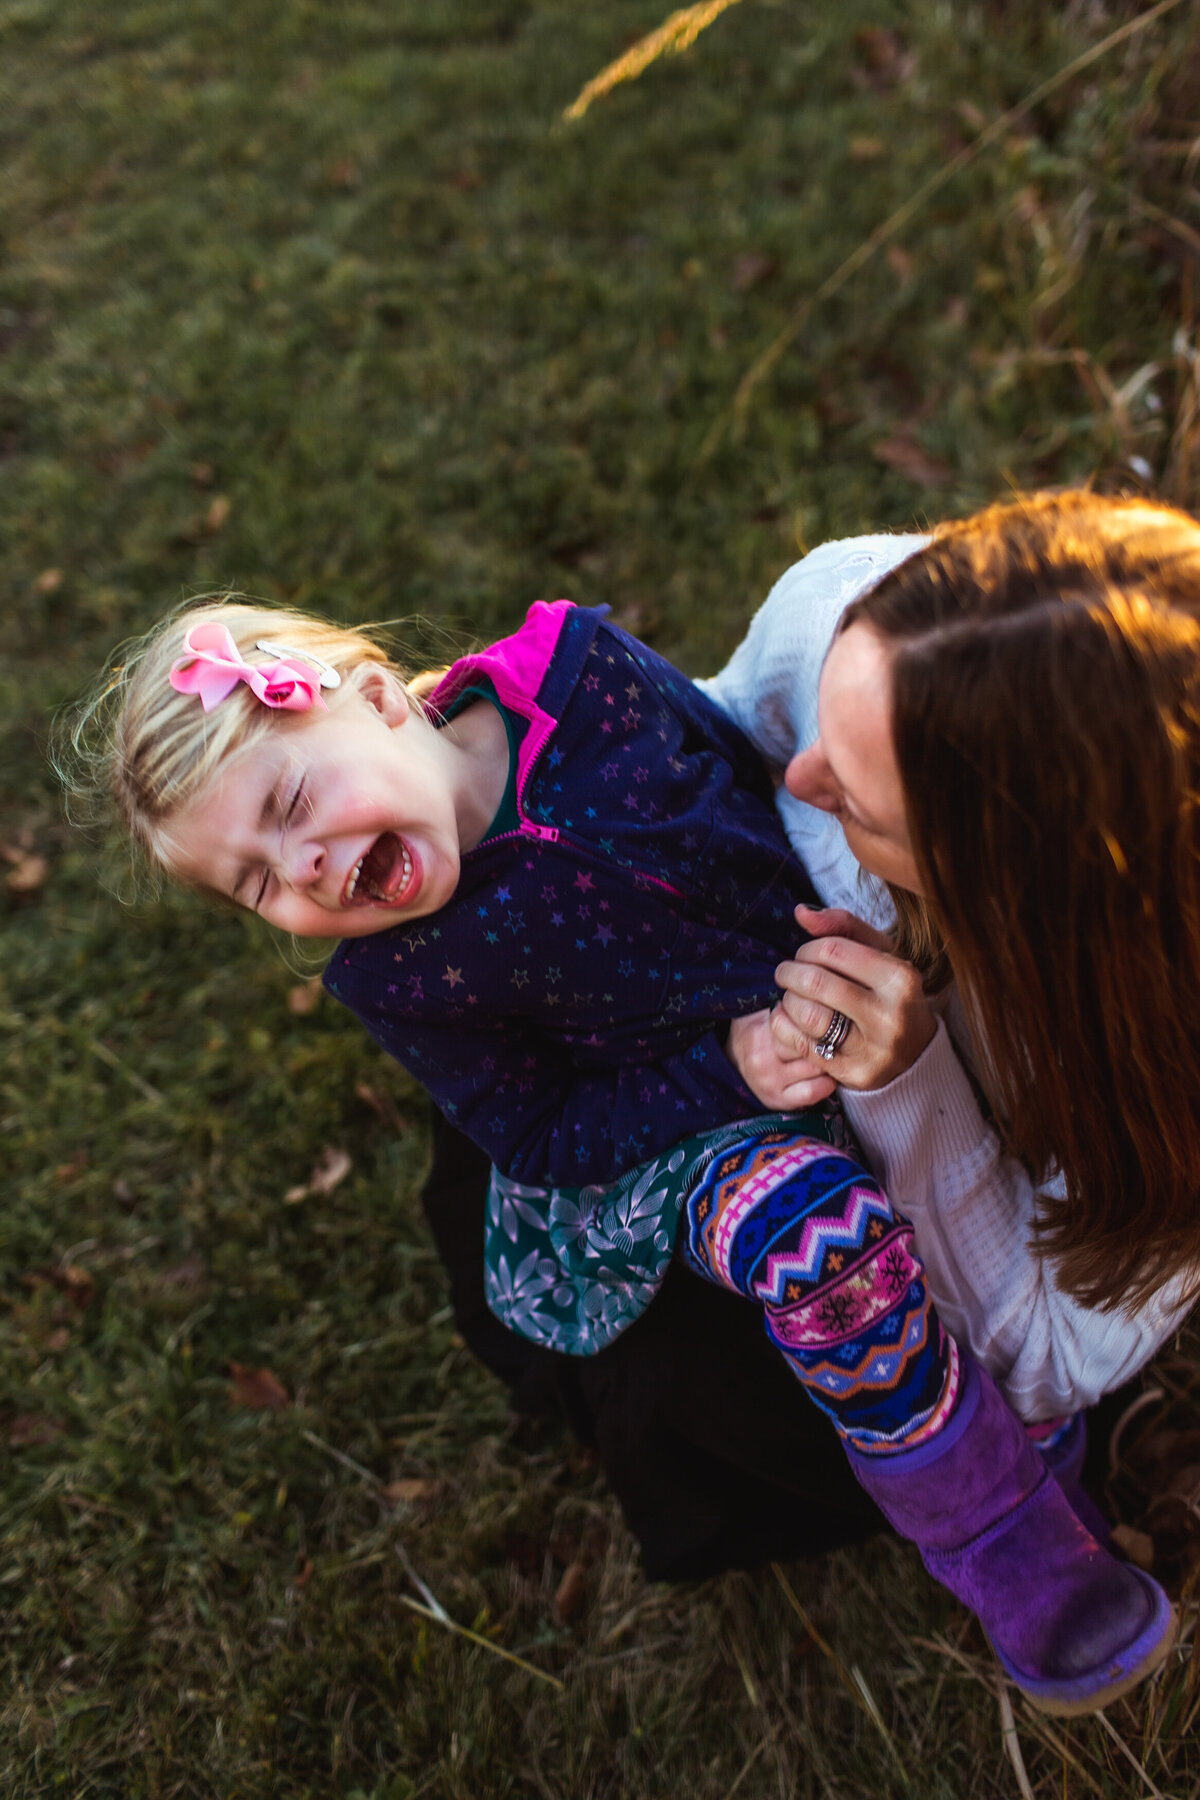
(778, 1079)
(835, 921)
(808, 999)
(890, 1018)
(807, 1090)
(856, 959)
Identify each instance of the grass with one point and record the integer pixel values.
(332, 304)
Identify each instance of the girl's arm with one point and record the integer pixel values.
(541, 1114)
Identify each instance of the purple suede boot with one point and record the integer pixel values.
(1072, 1627)
(1064, 1456)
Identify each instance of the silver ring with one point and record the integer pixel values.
(833, 1037)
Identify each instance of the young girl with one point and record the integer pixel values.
(562, 892)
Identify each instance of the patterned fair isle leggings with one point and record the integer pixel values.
(803, 1229)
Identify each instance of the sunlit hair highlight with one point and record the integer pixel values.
(142, 750)
(1045, 660)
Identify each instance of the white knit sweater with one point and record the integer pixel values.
(923, 1135)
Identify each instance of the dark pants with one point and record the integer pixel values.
(715, 1452)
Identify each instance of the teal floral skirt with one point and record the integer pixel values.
(572, 1267)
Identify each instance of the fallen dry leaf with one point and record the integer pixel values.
(258, 1389)
(570, 1594)
(751, 270)
(382, 1105)
(186, 1274)
(331, 1168)
(78, 1286)
(408, 1491)
(1186, 1483)
(884, 59)
(28, 872)
(902, 452)
(32, 1428)
(304, 997)
(70, 1280)
(1138, 1546)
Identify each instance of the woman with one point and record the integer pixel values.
(1009, 738)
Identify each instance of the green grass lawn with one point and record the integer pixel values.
(330, 304)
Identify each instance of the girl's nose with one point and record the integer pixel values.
(808, 777)
(304, 862)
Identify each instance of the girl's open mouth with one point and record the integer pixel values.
(384, 874)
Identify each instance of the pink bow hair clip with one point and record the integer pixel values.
(212, 665)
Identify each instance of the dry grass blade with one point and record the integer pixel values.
(427, 1594)
(1037, 1723)
(1122, 1425)
(1167, 220)
(748, 1681)
(347, 1462)
(430, 1607)
(1187, 1610)
(1184, 455)
(111, 1060)
(762, 365)
(1126, 1752)
(1012, 1743)
(852, 1681)
(674, 35)
(475, 1637)
(746, 1767)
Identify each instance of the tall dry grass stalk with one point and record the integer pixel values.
(673, 36)
(735, 417)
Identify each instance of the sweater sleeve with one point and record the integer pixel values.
(769, 687)
(541, 1115)
(973, 1210)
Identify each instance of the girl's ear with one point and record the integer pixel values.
(381, 688)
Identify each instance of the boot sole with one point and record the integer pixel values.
(1067, 1700)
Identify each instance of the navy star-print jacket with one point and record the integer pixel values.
(567, 1010)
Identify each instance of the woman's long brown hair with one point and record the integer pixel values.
(1046, 721)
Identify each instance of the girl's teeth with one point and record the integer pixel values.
(406, 869)
(394, 892)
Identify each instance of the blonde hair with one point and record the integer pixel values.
(138, 748)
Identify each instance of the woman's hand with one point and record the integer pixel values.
(848, 968)
(778, 1078)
